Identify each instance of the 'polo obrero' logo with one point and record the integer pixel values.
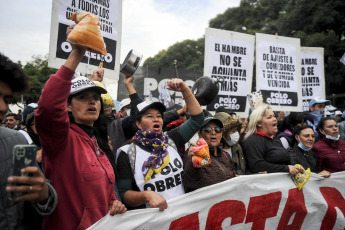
(83, 82)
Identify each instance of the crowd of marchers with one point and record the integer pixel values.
(92, 161)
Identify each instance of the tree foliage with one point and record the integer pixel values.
(189, 54)
(318, 23)
(38, 72)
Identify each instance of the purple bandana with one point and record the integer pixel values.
(159, 157)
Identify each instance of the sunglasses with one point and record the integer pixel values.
(209, 129)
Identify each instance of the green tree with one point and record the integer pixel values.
(189, 54)
(318, 23)
(38, 72)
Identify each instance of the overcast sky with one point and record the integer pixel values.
(148, 26)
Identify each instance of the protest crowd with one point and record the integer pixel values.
(91, 161)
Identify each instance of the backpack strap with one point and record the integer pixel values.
(132, 153)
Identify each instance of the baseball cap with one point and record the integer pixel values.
(338, 112)
(225, 109)
(330, 108)
(82, 83)
(29, 109)
(213, 119)
(124, 103)
(107, 100)
(145, 105)
(222, 116)
(319, 100)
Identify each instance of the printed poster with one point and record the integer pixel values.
(278, 71)
(110, 15)
(313, 74)
(229, 56)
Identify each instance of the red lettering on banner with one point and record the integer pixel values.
(262, 207)
(334, 199)
(222, 210)
(190, 221)
(294, 204)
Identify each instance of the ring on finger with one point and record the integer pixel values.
(30, 188)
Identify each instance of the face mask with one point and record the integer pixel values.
(317, 115)
(234, 138)
(333, 138)
(128, 111)
(302, 146)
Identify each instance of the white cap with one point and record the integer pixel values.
(82, 83)
(145, 105)
(338, 112)
(330, 108)
(124, 103)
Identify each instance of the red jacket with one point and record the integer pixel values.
(330, 155)
(83, 181)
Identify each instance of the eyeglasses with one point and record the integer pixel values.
(209, 129)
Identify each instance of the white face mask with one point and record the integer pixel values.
(128, 111)
(234, 138)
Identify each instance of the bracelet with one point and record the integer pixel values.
(184, 98)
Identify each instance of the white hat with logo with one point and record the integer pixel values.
(82, 83)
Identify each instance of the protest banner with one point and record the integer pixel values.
(313, 75)
(261, 201)
(109, 13)
(278, 71)
(230, 55)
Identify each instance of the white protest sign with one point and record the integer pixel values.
(278, 71)
(109, 13)
(261, 201)
(313, 74)
(230, 55)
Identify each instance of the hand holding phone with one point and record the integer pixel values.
(27, 181)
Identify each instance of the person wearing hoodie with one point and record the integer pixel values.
(75, 152)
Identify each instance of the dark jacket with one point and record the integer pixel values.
(305, 158)
(220, 169)
(238, 159)
(13, 215)
(288, 137)
(265, 154)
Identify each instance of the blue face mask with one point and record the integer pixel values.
(333, 138)
(302, 146)
(317, 115)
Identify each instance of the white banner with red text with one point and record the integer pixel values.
(261, 201)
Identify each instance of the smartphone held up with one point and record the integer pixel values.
(23, 156)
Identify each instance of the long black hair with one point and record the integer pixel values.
(100, 132)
